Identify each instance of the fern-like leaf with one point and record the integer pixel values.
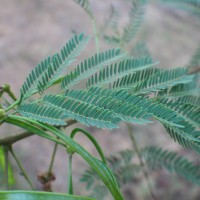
(180, 90)
(85, 113)
(129, 82)
(180, 138)
(118, 70)
(42, 113)
(190, 113)
(51, 70)
(189, 100)
(158, 110)
(157, 158)
(127, 112)
(90, 66)
(163, 79)
(135, 20)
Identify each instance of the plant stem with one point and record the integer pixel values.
(6, 167)
(52, 158)
(12, 106)
(92, 139)
(94, 27)
(70, 179)
(137, 151)
(12, 139)
(21, 168)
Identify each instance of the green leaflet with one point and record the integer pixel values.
(52, 69)
(129, 82)
(189, 100)
(190, 113)
(157, 158)
(42, 113)
(180, 90)
(90, 66)
(118, 70)
(177, 136)
(83, 112)
(158, 110)
(121, 110)
(30, 195)
(163, 79)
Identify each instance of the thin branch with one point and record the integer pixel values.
(12, 139)
(21, 168)
(52, 159)
(137, 151)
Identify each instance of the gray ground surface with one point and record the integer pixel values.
(32, 30)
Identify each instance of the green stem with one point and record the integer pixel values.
(21, 168)
(92, 139)
(12, 106)
(70, 179)
(96, 35)
(137, 151)
(52, 158)
(6, 167)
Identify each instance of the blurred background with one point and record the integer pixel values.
(32, 30)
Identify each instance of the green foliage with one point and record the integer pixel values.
(163, 79)
(157, 158)
(90, 66)
(118, 70)
(115, 87)
(129, 82)
(180, 90)
(136, 16)
(126, 170)
(42, 113)
(52, 69)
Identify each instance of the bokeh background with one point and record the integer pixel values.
(32, 30)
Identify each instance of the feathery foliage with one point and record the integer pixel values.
(180, 90)
(118, 70)
(179, 137)
(136, 16)
(157, 158)
(129, 82)
(126, 170)
(163, 79)
(189, 100)
(85, 113)
(90, 66)
(51, 69)
(42, 113)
